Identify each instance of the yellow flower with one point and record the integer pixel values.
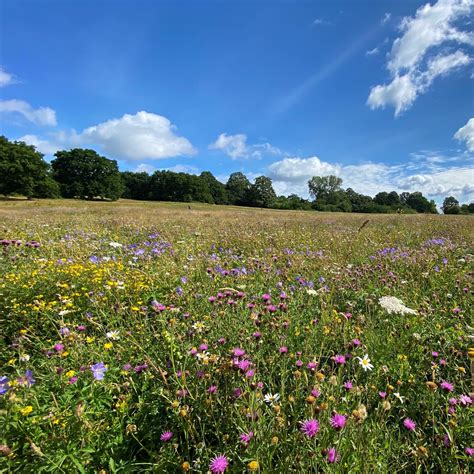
(70, 373)
(186, 466)
(253, 465)
(108, 345)
(27, 410)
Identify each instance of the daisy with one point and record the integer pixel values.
(365, 363)
(271, 399)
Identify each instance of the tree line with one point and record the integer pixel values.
(84, 174)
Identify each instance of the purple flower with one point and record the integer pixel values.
(98, 370)
(356, 342)
(283, 350)
(382, 394)
(246, 437)
(58, 347)
(409, 424)
(72, 380)
(465, 400)
(219, 464)
(338, 421)
(446, 386)
(249, 374)
(310, 427)
(332, 456)
(4, 385)
(339, 359)
(64, 331)
(212, 389)
(469, 451)
(238, 352)
(348, 385)
(315, 393)
(166, 436)
(29, 378)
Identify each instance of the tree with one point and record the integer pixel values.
(322, 186)
(451, 205)
(216, 188)
(136, 185)
(180, 187)
(237, 188)
(23, 171)
(261, 193)
(86, 175)
(419, 203)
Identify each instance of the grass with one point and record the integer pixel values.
(163, 295)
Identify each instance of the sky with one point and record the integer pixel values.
(377, 92)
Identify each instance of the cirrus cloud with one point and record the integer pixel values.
(466, 134)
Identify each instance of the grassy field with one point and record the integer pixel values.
(140, 336)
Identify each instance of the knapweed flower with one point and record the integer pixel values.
(469, 451)
(348, 385)
(465, 400)
(283, 350)
(212, 389)
(332, 456)
(310, 427)
(98, 370)
(365, 363)
(338, 421)
(166, 436)
(409, 424)
(238, 352)
(219, 464)
(446, 386)
(246, 437)
(271, 398)
(339, 359)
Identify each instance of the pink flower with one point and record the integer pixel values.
(166, 436)
(212, 389)
(250, 373)
(332, 456)
(315, 393)
(310, 427)
(219, 464)
(465, 400)
(339, 359)
(348, 385)
(58, 347)
(446, 386)
(409, 424)
(238, 352)
(246, 437)
(338, 421)
(382, 394)
(283, 350)
(469, 451)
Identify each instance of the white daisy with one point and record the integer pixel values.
(271, 399)
(365, 363)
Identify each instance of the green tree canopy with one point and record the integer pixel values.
(237, 188)
(136, 185)
(216, 188)
(86, 175)
(261, 193)
(322, 186)
(23, 171)
(451, 206)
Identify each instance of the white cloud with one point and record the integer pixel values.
(136, 137)
(386, 18)
(466, 134)
(183, 169)
(372, 52)
(41, 116)
(236, 147)
(411, 70)
(290, 175)
(6, 78)
(43, 146)
(144, 168)
(320, 21)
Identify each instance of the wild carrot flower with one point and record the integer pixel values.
(166, 436)
(219, 464)
(409, 424)
(338, 421)
(310, 427)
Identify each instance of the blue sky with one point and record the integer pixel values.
(378, 92)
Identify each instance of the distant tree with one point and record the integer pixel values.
(216, 188)
(470, 207)
(321, 186)
(237, 188)
(360, 202)
(136, 185)
(261, 193)
(391, 199)
(419, 203)
(180, 187)
(451, 206)
(86, 175)
(23, 171)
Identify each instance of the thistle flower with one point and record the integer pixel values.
(333, 456)
(409, 424)
(219, 464)
(310, 427)
(446, 386)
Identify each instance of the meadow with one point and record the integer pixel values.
(153, 337)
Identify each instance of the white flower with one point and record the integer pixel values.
(115, 245)
(311, 292)
(365, 363)
(397, 395)
(114, 335)
(271, 399)
(25, 357)
(391, 305)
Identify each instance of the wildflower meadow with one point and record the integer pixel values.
(152, 337)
